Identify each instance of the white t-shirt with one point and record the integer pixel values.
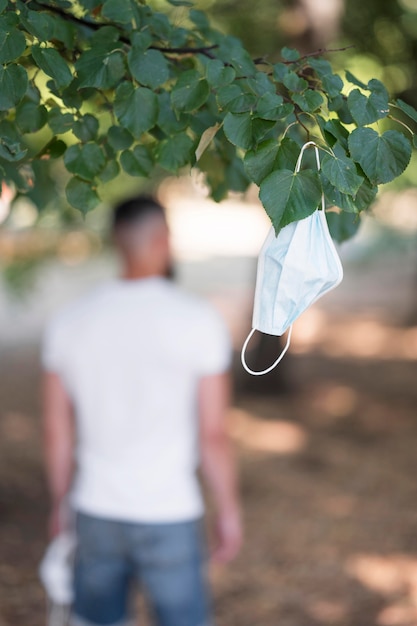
(130, 355)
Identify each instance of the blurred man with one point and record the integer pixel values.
(136, 381)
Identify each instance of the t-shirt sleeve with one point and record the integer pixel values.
(215, 349)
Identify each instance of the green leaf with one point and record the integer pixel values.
(119, 138)
(137, 162)
(136, 108)
(238, 129)
(270, 107)
(11, 151)
(280, 71)
(160, 26)
(72, 96)
(59, 122)
(33, 94)
(86, 128)
(12, 44)
(407, 109)
(168, 121)
(110, 171)
(288, 153)
(218, 75)
(90, 4)
(342, 225)
(364, 197)
(13, 85)
(10, 19)
(382, 157)
(290, 54)
(293, 82)
(332, 83)
(339, 104)
(231, 51)
(261, 84)
(100, 68)
(52, 63)
(30, 116)
(81, 195)
(355, 81)
(84, 160)
(149, 67)
(288, 197)
(39, 24)
(341, 171)
(175, 152)
(368, 110)
(199, 18)
(118, 12)
(3, 5)
(334, 131)
(243, 103)
(260, 128)
(259, 162)
(203, 119)
(236, 177)
(228, 94)
(190, 92)
(65, 32)
(142, 40)
(105, 37)
(11, 145)
(308, 101)
(53, 149)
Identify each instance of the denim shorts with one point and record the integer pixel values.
(167, 560)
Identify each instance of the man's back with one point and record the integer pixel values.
(130, 355)
(143, 368)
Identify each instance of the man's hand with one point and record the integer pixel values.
(228, 537)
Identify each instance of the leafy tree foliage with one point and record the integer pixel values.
(114, 84)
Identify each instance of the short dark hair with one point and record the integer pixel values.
(135, 209)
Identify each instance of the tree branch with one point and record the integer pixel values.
(203, 50)
(97, 25)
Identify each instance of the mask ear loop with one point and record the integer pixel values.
(287, 345)
(271, 367)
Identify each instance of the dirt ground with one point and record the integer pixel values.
(328, 479)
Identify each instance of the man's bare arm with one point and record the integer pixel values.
(218, 465)
(58, 429)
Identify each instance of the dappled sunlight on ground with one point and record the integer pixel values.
(278, 436)
(362, 337)
(395, 577)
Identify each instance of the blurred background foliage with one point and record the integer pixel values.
(380, 37)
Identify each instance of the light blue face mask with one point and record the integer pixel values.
(295, 269)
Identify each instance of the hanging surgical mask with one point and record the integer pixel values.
(295, 268)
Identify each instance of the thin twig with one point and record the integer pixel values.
(297, 115)
(394, 119)
(318, 53)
